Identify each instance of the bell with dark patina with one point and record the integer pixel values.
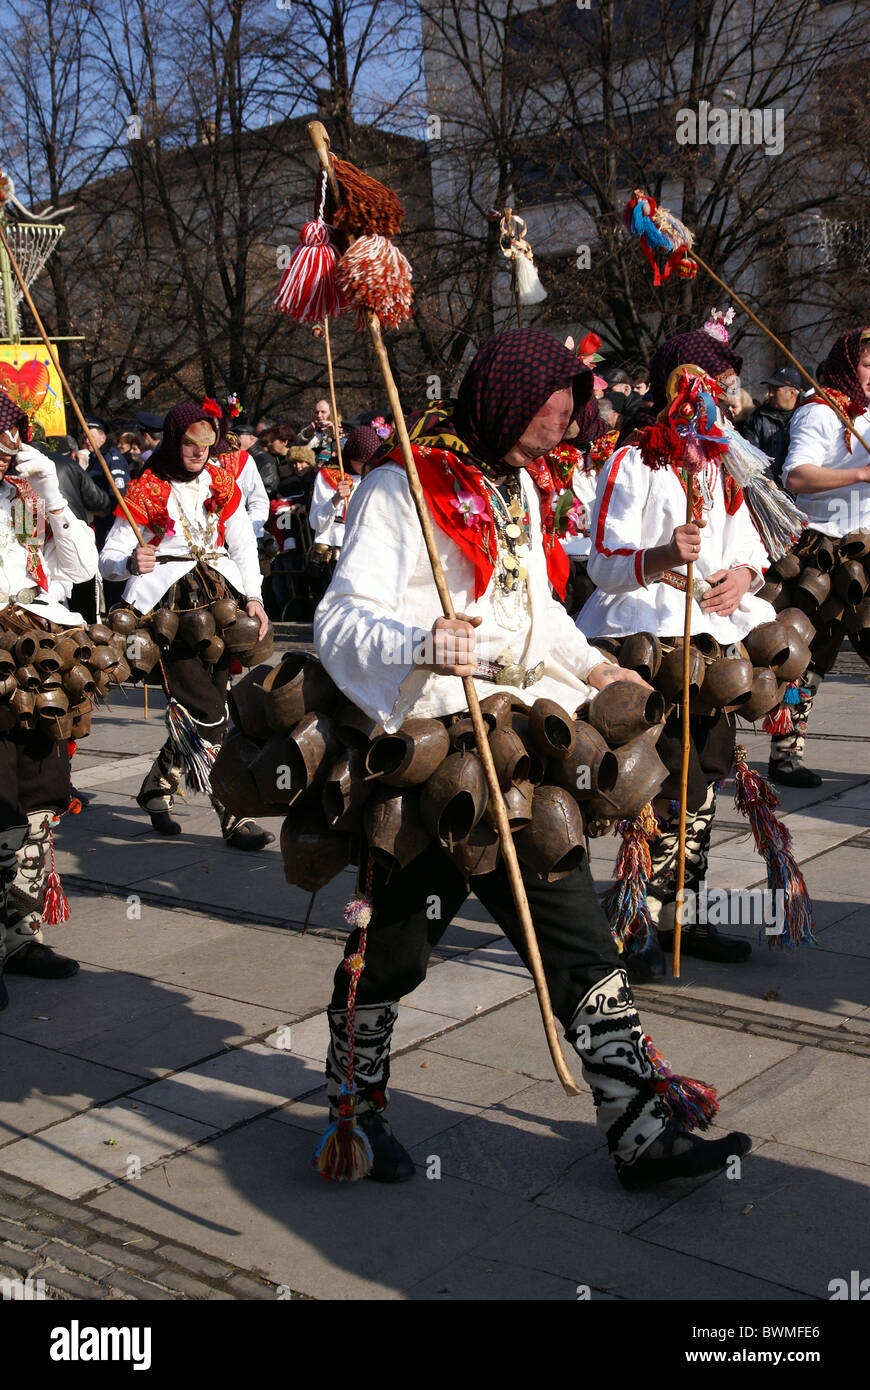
(764, 695)
(120, 672)
(787, 567)
(551, 730)
(497, 710)
(28, 677)
(312, 853)
(592, 767)
(461, 736)
(642, 652)
(7, 685)
(103, 659)
(7, 663)
(454, 798)
(122, 619)
(394, 830)
(196, 626)
(345, 792)
(767, 644)
(622, 711)
(825, 555)
(772, 590)
(247, 702)
(831, 611)
(83, 644)
(299, 685)
(798, 621)
(537, 764)
(856, 545)
(641, 775)
(225, 611)
(510, 757)
(670, 677)
(78, 683)
(23, 702)
(66, 650)
(242, 635)
(727, 685)
(478, 853)
(797, 661)
(278, 772)
(857, 619)
(26, 647)
(552, 843)
(232, 780)
(262, 649)
(410, 755)
(80, 716)
(810, 589)
(850, 582)
(312, 748)
(164, 627)
(355, 728)
(100, 634)
(518, 800)
(212, 651)
(143, 652)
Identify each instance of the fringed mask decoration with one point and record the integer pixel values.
(660, 231)
(686, 434)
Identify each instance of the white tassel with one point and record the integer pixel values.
(529, 287)
(778, 519)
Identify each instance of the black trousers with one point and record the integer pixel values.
(413, 908)
(200, 688)
(711, 753)
(34, 776)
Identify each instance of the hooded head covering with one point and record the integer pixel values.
(362, 444)
(166, 461)
(508, 382)
(699, 348)
(838, 369)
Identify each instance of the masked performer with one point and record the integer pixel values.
(640, 537)
(829, 474)
(375, 635)
(44, 550)
(200, 550)
(329, 499)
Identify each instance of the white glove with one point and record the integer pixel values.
(40, 472)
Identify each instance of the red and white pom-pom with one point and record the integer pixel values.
(308, 289)
(373, 274)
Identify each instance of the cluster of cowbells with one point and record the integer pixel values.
(299, 749)
(50, 676)
(748, 678)
(827, 579)
(210, 629)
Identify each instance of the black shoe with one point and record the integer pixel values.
(83, 798)
(643, 966)
(390, 1162)
(705, 943)
(249, 836)
(41, 963)
(692, 1159)
(164, 824)
(793, 774)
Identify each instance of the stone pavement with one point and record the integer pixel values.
(157, 1112)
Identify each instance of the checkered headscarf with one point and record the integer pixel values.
(698, 348)
(166, 461)
(508, 382)
(13, 417)
(362, 444)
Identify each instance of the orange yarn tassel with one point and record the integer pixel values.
(373, 274)
(367, 206)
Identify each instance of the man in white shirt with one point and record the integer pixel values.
(378, 636)
(199, 546)
(828, 472)
(44, 550)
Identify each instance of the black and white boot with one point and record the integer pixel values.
(241, 832)
(373, 1033)
(646, 1144)
(786, 764)
(157, 791)
(26, 952)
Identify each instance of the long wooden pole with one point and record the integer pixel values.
(66, 386)
(686, 733)
(782, 347)
(320, 141)
(336, 423)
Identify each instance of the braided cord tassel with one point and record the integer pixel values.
(693, 1103)
(344, 1153)
(755, 798)
(55, 908)
(625, 904)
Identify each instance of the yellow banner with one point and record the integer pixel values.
(27, 374)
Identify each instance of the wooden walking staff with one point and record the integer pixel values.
(686, 747)
(320, 141)
(336, 423)
(66, 386)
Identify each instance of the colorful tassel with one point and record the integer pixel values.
(755, 798)
(659, 230)
(373, 274)
(693, 1103)
(344, 1153)
(779, 721)
(308, 291)
(625, 904)
(193, 754)
(778, 519)
(55, 908)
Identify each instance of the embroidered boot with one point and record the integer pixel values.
(11, 841)
(786, 765)
(647, 1145)
(157, 791)
(26, 952)
(241, 832)
(373, 1032)
(699, 939)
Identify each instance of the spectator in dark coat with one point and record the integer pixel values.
(768, 425)
(265, 462)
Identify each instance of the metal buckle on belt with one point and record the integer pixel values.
(700, 587)
(27, 595)
(509, 673)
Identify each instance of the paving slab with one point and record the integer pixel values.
(795, 1218)
(813, 1100)
(511, 1039)
(39, 1087)
(234, 1087)
(251, 1198)
(603, 1259)
(723, 1058)
(479, 981)
(102, 931)
(848, 935)
(91, 1149)
(471, 1279)
(429, 1094)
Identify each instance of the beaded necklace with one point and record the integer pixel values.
(513, 534)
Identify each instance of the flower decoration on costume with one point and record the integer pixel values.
(233, 406)
(212, 408)
(470, 507)
(686, 435)
(601, 448)
(380, 426)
